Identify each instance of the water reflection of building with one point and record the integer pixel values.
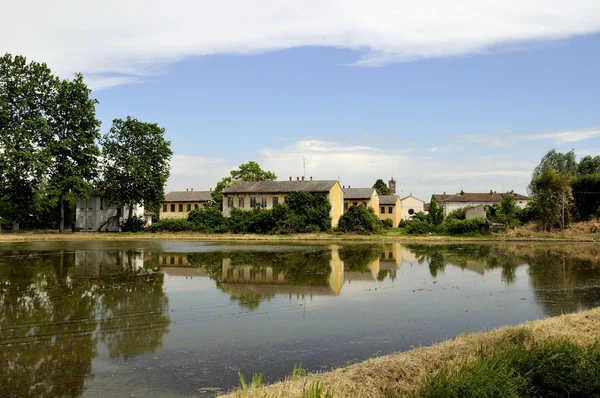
(93, 264)
(173, 259)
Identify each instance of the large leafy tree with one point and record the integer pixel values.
(553, 199)
(73, 143)
(26, 90)
(250, 171)
(381, 188)
(435, 213)
(136, 163)
(589, 165)
(564, 163)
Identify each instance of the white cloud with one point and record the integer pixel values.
(198, 172)
(507, 140)
(121, 41)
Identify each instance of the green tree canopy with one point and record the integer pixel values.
(250, 171)
(435, 213)
(26, 90)
(589, 165)
(381, 188)
(553, 198)
(560, 162)
(73, 143)
(136, 165)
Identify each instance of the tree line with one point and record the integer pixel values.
(52, 152)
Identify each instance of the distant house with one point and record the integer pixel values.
(247, 195)
(472, 199)
(411, 206)
(178, 204)
(365, 196)
(96, 214)
(390, 206)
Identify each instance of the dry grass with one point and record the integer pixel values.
(402, 374)
(581, 231)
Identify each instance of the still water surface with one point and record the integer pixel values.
(182, 318)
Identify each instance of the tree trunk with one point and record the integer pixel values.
(61, 225)
(15, 226)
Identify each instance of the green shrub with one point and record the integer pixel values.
(359, 219)
(402, 224)
(459, 227)
(133, 224)
(209, 219)
(311, 212)
(171, 225)
(387, 223)
(419, 227)
(457, 214)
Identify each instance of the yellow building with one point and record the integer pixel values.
(365, 196)
(390, 206)
(247, 195)
(179, 204)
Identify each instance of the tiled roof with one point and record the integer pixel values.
(487, 197)
(426, 207)
(410, 196)
(388, 199)
(188, 196)
(358, 193)
(317, 186)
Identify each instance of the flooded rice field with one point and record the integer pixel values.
(182, 318)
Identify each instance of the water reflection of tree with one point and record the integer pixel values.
(47, 318)
(357, 258)
(134, 311)
(564, 282)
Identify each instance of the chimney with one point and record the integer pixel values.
(444, 192)
(290, 178)
(348, 186)
(192, 189)
(302, 178)
(311, 178)
(491, 192)
(297, 178)
(462, 192)
(186, 190)
(210, 189)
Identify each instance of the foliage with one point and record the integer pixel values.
(315, 390)
(208, 219)
(358, 257)
(507, 211)
(588, 165)
(387, 223)
(561, 163)
(403, 223)
(250, 171)
(243, 383)
(521, 368)
(459, 227)
(73, 143)
(298, 372)
(436, 213)
(133, 224)
(310, 212)
(457, 214)
(171, 225)
(381, 188)
(419, 227)
(359, 219)
(586, 193)
(553, 199)
(136, 163)
(257, 379)
(26, 91)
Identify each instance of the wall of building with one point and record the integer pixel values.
(168, 213)
(372, 202)
(96, 214)
(336, 198)
(450, 206)
(411, 203)
(476, 212)
(395, 215)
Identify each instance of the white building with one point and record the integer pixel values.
(411, 206)
(465, 199)
(96, 214)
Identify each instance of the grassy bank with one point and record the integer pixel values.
(389, 236)
(553, 357)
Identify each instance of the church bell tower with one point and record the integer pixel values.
(392, 186)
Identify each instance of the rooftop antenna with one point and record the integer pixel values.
(304, 166)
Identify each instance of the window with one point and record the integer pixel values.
(229, 273)
(196, 206)
(263, 202)
(180, 261)
(181, 207)
(252, 274)
(390, 210)
(354, 203)
(275, 201)
(230, 202)
(172, 208)
(390, 256)
(172, 260)
(263, 274)
(189, 207)
(382, 209)
(411, 211)
(275, 275)
(165, 207)
(253, 202)
(345, 206)
(241, 203)
(364, 204)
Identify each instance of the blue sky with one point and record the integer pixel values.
(373, 96)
